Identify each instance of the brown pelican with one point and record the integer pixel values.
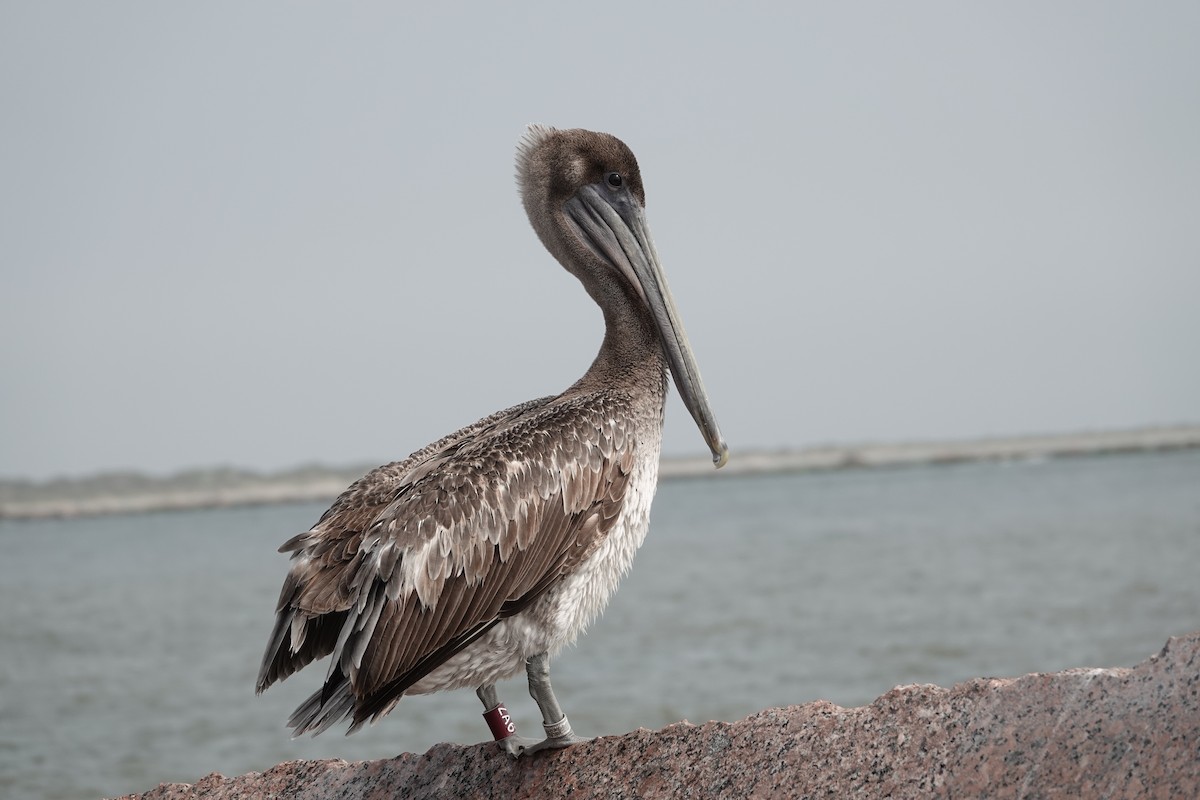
(492, 548)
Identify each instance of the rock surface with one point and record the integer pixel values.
(1111, 733)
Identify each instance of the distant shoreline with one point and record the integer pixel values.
(130, 493)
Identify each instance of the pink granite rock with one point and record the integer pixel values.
(1111, 733)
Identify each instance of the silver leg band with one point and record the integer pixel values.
(557, 730)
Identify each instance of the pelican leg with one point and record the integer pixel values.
(513, 745)
(558, 729)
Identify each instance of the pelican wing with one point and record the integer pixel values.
(417, 559)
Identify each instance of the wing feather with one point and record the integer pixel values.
(418, 558)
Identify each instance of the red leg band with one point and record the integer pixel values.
(500, 722)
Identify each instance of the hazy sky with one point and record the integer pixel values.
(260, 234)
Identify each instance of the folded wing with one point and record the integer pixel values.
(419, 558)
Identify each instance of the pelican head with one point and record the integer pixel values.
(584, 196)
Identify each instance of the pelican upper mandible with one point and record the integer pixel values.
(494, 547)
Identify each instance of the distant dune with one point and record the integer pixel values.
(128, 492)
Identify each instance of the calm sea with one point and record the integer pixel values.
(129, 645)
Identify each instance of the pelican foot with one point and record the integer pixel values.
(558, 734)
(528, 747)
(516, 745)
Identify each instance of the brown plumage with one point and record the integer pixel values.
(504, 539)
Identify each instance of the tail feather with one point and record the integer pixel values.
(315, 639)
(324, 708)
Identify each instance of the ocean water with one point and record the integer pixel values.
(129, 645)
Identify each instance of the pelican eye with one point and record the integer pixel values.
(615, 180)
